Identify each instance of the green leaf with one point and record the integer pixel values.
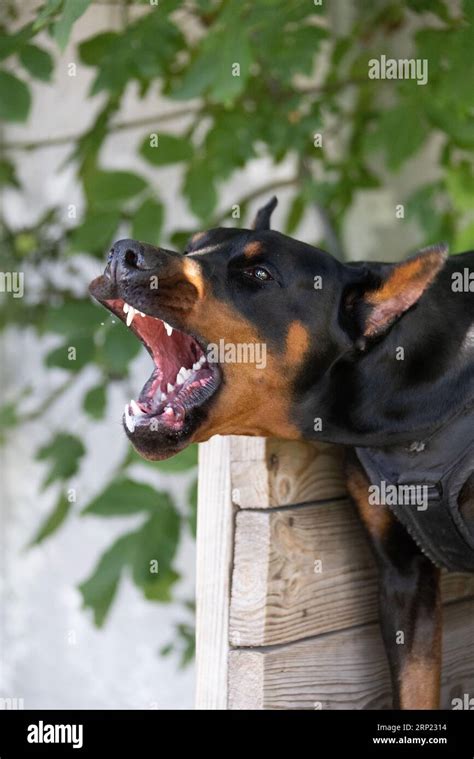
(155, 549)
(92, 50)
(423, 205)
(460, 184)
(148, 221)
(233, 70)
(37, 62)
(54, 520)
(136, 54)
(295, 214)
(200, 190)
(95, 233)
(73, 317)
(99, 590)
(73, 355)
(192, 498)
(160, 589)
(72, 10)
(125, 496)
(8, 419)
(227, 80)
(199, 75)
(8, 174)
(15, 98)
(464, 239)
(181, 462)
(119, 348)
(164, 149)
(63, 453)
(47, 10)
(94, 401)
(112, 188)
(401, 132)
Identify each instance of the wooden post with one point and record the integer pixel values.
(287, 588)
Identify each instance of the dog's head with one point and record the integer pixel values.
(242, 325)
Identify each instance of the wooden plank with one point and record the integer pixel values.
(270, 473)
(344, 670)
(300, 572)
(213, 569)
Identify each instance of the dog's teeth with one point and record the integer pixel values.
(168, 328)
(125, 307)
(196, 366)
(182, 375)
(169, 387)
(168, 411)
(141, 313)
(136, 408)
(131, 313)
(202, 360)
(129, 420)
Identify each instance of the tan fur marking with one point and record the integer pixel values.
(297, 343)
(377, 519)
(420, 681)
(198, 236)
(253, 249)
(193, 273)
(402, 289)
(406, 275)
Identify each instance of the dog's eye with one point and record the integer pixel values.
(259, 273)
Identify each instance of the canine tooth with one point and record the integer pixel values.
(129, 420)
(182, 375)
(125, 307)
(168, 328)
(136, 408)
(131, 313)
(169, 387)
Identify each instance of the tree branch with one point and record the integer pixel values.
(254, 194)
(118, 127)
(330, 235)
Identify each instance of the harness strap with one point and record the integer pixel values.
(436, 469)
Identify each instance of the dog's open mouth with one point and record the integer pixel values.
(172, 400)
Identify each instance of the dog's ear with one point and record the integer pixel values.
(262, 219)
(388, 293)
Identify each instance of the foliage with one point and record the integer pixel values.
(266, 106)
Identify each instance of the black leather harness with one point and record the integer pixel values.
(436, 469)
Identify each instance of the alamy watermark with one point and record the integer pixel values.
(399, 495)
(399, 68)
(237, 353)
(12, 282)
(462, 281)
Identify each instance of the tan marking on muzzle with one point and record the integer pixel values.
(193, 274)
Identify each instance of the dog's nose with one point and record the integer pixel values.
(130, 255)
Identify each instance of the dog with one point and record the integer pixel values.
(378, 357)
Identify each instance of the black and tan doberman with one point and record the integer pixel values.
(254, 333)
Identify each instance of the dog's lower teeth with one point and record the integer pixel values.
(129, 420)
(169, 329)
(136, 408)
